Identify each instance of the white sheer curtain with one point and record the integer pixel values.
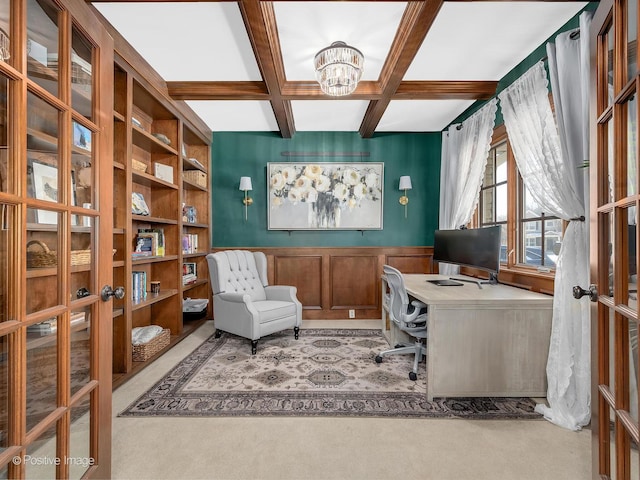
(465, 148)
(549, 168)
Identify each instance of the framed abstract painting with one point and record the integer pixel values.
(325, 196)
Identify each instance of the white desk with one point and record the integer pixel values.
(488, 342)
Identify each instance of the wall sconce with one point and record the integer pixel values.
(405, 184)
(245, 185)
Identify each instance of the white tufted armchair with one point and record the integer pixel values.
(243, 302)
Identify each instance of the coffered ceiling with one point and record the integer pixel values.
(248, 65)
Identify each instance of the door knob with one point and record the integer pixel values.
(579, 292)
(108, 292)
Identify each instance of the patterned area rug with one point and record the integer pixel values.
(327, 372)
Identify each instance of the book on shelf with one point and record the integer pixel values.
(189, 243)
(189, 268)
(138, 285)
(196, 162)
(189, 278)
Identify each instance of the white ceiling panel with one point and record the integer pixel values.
(304, 28)
(328, 115)
(187, 41)
(235, 115)
(208, 41)
(421, 115)
(485, 40)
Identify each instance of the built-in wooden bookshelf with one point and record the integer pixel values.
(154, 143)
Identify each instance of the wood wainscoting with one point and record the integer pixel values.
(333, 280)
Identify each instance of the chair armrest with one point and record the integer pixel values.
(234, 297)
(284, 293)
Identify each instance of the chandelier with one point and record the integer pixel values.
(338, 69)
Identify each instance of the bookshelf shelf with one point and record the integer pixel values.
(144, 117)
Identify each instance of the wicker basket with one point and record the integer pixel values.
(142, 353)
(196, 176)
(42, 257)
(138, 165)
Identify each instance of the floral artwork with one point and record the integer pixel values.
(318, 196)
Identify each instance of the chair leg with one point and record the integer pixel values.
(254, 347)
(218, 333)
(296, 332)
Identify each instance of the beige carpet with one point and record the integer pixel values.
(326, 372)
(324, 448)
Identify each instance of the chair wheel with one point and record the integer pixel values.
(413, 376)
(378, 359)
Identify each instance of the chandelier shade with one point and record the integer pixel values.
(338, 69)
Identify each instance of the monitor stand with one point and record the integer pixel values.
(493, 280)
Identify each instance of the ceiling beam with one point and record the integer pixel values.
(414, 25)
(259, 20)
(445, 90)
(310, 90)
(202, 90)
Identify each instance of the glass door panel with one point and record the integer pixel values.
(632, 145)
(42, 44)
(80, 328)
(611, 173)
(82, 260)
(42, 370)
(5, 168)
(633, 369)
(43, 181)
(81, 75)
(632, 264)
(79, 447)
(4, 393)
(43, 267)
(632, 38)
(5, 34)
(39, 460)
(6, 222)
(82, 167)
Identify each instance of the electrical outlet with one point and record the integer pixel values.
(352, 313)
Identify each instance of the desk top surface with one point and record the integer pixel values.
(418, 286)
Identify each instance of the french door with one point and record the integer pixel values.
(56, 143)
(614, 239)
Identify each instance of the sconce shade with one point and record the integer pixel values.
(405, 183)
(245, 184)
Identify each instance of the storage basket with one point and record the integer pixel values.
(142, 353)
(138, 166)
(43, 257)
(196, 176)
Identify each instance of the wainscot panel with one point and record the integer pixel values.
(331, 281)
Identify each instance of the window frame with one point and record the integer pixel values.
(513, 272)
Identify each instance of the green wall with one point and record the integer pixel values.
(236, 154)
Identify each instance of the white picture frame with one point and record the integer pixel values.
(325, 196)
(45, 187)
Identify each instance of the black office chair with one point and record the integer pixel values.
(408, 317)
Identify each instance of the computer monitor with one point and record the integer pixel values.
(470, 247)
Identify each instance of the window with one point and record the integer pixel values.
(530, 236)
(493, 205)
(541, 233)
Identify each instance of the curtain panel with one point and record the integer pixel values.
(465, 148)
(548, 158)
